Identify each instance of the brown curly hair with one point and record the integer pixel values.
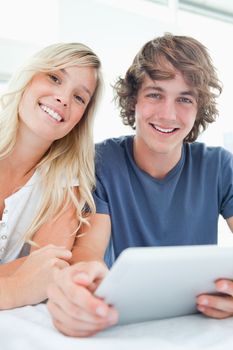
(188, 56)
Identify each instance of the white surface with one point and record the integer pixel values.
(30, 328)
(167, 280)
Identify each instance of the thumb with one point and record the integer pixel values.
(87, 273)
(82, 279)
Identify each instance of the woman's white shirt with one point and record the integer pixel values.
(20, 209)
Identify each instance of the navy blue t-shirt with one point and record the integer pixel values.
(180, 209)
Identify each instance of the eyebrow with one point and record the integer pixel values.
(83, 87)
(159, 89)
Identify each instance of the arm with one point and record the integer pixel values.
(92, 241)
(220, 306)
(59, 232)
(73, 307)
(230, 223)
(30, 276)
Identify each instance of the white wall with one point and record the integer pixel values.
(116, 31)
(115, 35)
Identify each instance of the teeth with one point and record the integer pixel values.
(164, 130)
(52, 113)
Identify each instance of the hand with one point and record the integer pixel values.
(218, 306)
(75, 310)
(28, 284)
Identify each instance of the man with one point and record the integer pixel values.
(158, 187)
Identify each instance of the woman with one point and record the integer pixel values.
(46, 167)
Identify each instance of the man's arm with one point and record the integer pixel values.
(230, 223)
(75, 310)
(92, 240)
(219, 306)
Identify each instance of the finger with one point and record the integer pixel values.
(80, 296)
(83, 298)
(51, 250)
(60, 253)
(80, 321)
(66, 306)
(49, 247)
(222, 303)
(210, 312)
(225, 286)
(60, 264)
(87, 273)
(73, 332)
(61, 305)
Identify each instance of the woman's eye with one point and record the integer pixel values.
(79, 99)
(54, 78)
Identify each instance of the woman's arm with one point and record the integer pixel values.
(60, 232)
(25, 280)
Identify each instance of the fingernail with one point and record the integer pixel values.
(81, 277)
(203, 302)
(200, 308)
(101, 311)
(222, 287)
(68, 253)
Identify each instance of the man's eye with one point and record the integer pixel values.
(79, 99)
(54, 78)
(185, 100)
(153, 95)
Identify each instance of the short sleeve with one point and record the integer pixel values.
(100, 198)
(226, 209)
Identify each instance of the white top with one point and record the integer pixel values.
(20, 208)
(19, 211)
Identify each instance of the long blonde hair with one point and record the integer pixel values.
(69, 157)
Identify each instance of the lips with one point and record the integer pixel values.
(163, 130)
(53, 114)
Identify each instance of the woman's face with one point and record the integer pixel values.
(53, 103)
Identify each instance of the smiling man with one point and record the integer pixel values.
(156, 188)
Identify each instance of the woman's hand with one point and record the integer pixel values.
(28, 284)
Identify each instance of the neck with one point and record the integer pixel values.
(25, 156)
(156, 164)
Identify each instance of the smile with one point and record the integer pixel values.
(164, 130)
(51, 112)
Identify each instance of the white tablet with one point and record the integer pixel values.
(158, 282)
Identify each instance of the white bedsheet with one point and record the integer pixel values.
(30, 328)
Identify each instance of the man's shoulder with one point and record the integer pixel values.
(108, 146)
(199, 149)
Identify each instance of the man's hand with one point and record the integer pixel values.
(217, 306)
(75, 310)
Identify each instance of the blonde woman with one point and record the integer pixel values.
(46, 167)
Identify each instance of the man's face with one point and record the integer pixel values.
(165, 113)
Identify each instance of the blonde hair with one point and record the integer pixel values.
(69, 157)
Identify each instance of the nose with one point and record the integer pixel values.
(167, 110)
(62, 101)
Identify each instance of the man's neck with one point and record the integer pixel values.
(156, 164)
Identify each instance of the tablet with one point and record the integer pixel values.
(159, 282)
